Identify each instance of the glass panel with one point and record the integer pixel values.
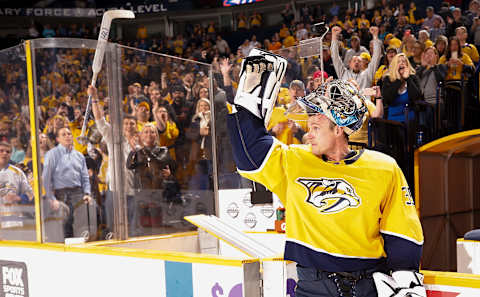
(303, 61)
(71, 168)
(167, 134)
(17, 210)
(228, 178)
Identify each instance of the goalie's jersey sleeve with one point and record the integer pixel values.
(341, 216)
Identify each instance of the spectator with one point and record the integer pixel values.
(473, 11)
(373, 111)
(355, 50)
(424, 37)
(32, 30)
(167, 129)
(14, 186)
(430, 74)
(458, 63)
(44, 145)
(428, 22)
(301, 33)
(334, 9)
(287, 14)
(475, 31)
(129, 143)
(408, 44)
(183, 111)
(391, 52)
(201, 146)
(436, 30)
(245, 48)
(363, 78)
(445, 11)
(400, 89)
(363, 22)
(48, 31)
(288, 41)
(222, 46)
(392, 40)
(457, 20)
(142, 32)
(284, 31)
(255, 20)
(18, 152)
(315, 80)
(365, 56)
(142, 114)
(275, 44)
(154, 180)
(414, 17)
(254, 43)
(441, 44)
(467, 48)
(416, 58)
(66, 182)
(242, 22)
(328, 62)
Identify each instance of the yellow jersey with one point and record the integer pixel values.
(455, 73)
(340, 216)
(471, 51)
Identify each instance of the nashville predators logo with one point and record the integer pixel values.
(330, 195)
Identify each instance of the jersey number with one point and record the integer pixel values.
(408, 195)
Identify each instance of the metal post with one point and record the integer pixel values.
(114, 76)
(214, 140)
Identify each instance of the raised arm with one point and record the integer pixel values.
(255, 151)
(377, 53)
(337, 61)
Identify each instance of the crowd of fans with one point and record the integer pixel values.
(394, 53)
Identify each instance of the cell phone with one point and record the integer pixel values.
(369, 92)
(455, 55)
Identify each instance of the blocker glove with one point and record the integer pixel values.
(402, 283)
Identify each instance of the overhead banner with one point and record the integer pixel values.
(79, 12)
(227, 3)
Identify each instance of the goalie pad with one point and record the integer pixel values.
(260, 78)
(402, 283)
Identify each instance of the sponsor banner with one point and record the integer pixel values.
(217, 281)
(132, 275)
(235, 207)
(14, 280)
(80, 12)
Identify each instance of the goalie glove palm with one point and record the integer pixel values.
(260, 79)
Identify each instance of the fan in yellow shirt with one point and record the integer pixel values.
(458, 62)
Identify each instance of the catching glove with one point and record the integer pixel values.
(260, 79)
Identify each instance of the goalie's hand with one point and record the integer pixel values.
(257, 70)
(260, 79)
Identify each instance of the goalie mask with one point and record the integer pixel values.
(339, 100)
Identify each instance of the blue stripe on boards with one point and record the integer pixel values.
(178, 279)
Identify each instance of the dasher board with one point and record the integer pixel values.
(232, 235)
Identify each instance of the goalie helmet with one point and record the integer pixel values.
(339, 100)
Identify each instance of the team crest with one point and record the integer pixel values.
(330, 195)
